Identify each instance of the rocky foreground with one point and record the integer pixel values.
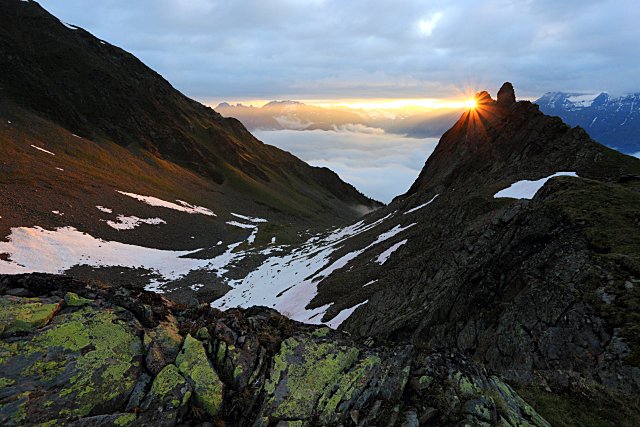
(75, 353)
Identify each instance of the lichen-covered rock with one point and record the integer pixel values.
(447, 389)
(169, 395)
(86, 368)
(18, 315)
(303, 372)
(84, 361)
(193, 364)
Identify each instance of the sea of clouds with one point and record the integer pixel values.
(380, 165)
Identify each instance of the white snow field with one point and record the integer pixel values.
(287, 279)
(289, 282)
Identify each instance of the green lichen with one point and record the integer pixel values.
(15, 411)
(467, 387)
(72, 299)
(203, 333)
(6, 382)
(125, 420)
(18, 315)
(425, 381)
(524, 409)
(86, 356)
(303, 371)
(222, 351)
(346, 387)
(45, 370)
(237, 372)
(168, 380)
(110, 341)
(193, 363)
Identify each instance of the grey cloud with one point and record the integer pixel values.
(213, 49)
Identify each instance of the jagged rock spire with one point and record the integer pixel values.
(506, 94)
(483, 97)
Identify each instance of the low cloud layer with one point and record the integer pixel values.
(290, 49)
(379, 165)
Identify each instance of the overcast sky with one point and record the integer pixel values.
(217, 50)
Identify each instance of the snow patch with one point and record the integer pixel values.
(43, 150)
(241, 224)
(288, 282)
(583, 100)
(527, 189)
(384, 256)
(344, 315)
(131, 222)
(103, 209)
(182, 206)
(55, 251)
(249, 218)
(422, 205)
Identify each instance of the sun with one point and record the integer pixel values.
(470, 104)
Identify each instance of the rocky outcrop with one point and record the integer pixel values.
(89, 364)
(506, 94)
(541, 290)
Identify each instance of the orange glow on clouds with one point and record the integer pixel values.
(373, 104)
(461, 99)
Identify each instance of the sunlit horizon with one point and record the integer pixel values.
(360, 104)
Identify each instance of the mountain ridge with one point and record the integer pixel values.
(104, 93)
(611, 120)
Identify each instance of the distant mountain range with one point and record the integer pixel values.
(613, 121)
(278, 115)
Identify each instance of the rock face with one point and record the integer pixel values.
(252, 368)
